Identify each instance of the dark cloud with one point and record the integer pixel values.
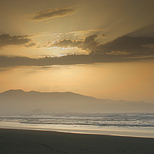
(122, 49)
(88, 44)
(90, 39)
(30, 44)
(126, 45)
(67, 43)
(133, 46)
(10, 62)
(52, 13)
(6, 39)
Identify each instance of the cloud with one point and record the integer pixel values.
(85, 33)
(66, 43)
(30, 44)
(145, 31)
(52, 13)
(125, 45)
(88, 44)
(134, 46)
(11, 62)
(122, 49)
(6, 39)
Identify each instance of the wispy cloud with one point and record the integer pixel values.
(52, 13)
(7, 39)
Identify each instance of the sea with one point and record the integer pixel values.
(119, 124)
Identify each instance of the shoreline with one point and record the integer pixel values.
(113, 131)
(16, 141)
(73, 132)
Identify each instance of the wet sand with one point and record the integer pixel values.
(13, 141)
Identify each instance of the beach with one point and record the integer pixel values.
(15, 141)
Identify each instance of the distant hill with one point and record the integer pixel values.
(21, 102)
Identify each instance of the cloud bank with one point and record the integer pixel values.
(10, 62)
(125, 45)
(7, 39)
(122, 49)
(52, 13)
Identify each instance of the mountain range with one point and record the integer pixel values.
(21, 102)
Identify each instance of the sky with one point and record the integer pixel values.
(101, 48)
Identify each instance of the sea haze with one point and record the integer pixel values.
(71, 112)
(32, 102)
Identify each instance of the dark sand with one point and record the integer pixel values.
(48, 142)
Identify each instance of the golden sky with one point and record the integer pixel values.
(101, 48)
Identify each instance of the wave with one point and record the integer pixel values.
(100, 120)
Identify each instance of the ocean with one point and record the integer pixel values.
(121, 124)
